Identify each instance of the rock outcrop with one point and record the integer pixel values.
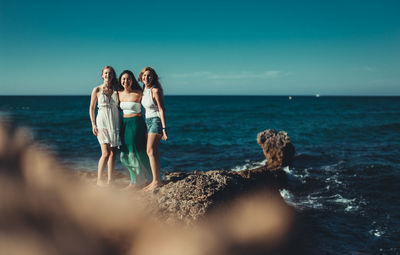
(188, 197)
(191, 196)
(277, 147)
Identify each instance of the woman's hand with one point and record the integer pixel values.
(164, 136)
(94, 129)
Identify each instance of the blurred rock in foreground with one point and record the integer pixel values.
(46, 210)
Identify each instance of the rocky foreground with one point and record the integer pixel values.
(188, 197)
(44, 209)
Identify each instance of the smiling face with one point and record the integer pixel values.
(107, 75)
(126, 81)
(147, 78)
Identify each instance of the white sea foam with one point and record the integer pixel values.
(334, 178)
(332, 167)
(376, 232)
(286, 194)
(287, 170)
(249, 165)
(341, 200)
(288, 197)
(351, 208)
(301, 203)
(311, 202)
(348, 202)
(301, 176)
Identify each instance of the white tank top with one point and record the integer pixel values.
(130, 107)
(150, 108)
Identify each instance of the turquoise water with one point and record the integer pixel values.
(344, 180)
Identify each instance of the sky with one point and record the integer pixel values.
(203, 47)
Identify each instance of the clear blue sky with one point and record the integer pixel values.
(203, 47)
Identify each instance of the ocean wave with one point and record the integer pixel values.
(341, 200)
(350, 203)
(333, 167)
(309, 202)
(249, 165)
(376, 232)
(288, 197)
(315, 201)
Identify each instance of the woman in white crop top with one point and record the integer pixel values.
(106, 126)
(133, 150)
(153, 103)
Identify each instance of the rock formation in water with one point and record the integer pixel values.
(190, 196)
(277, 147)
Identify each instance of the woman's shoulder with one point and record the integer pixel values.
(97, 89)
(137, 91)
(155, 90)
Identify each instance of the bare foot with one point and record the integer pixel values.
(152, 186)
(101, 184)
(130, 187)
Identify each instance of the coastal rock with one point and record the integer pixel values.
(277, 147)
(188, 197)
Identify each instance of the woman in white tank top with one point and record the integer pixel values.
(133, 150)
(153, 103)
(107, 124)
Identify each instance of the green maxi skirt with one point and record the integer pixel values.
(133, 150)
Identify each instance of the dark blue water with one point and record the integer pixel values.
(346, 174)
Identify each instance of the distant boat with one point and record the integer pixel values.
(290, 98)
(317, 95)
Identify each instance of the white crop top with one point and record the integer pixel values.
(150, 108)
(130, 107)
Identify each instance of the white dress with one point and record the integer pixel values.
(108, 120)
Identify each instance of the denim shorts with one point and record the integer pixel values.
(154, 125)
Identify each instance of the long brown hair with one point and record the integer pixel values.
(155, 82)
(114, 82)
(135, 84)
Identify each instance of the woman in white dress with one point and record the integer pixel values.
(108, 121)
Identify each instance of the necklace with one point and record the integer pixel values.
(107, 90)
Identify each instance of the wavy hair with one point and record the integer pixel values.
(155, 82)
(114, 82)
(135, 84)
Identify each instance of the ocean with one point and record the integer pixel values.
(344, 181)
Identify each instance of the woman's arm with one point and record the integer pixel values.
(93, 101)
(119, 100)
(158, 97)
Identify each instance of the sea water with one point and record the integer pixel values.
(344, 181)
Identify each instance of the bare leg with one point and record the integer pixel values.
(105, 154)
(111, 163)
(153, 141)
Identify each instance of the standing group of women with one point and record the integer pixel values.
(137, 138)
